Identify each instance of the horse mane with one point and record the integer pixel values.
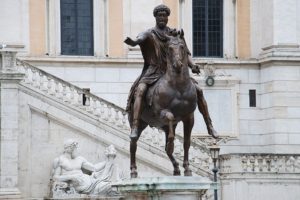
(176, 37)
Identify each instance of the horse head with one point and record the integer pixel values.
(177, 52)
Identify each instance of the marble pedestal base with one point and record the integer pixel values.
(164, 188)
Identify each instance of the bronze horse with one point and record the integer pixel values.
(173, 99)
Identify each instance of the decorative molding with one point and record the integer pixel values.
(281, 46)
(209, 141)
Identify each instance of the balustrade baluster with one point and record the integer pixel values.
(49, 86)
(65, 93)
(102, 109)
(43, 82)
(34, 78)
(256, 165)
(198, 160)
(109, 114)
(79, 100)
(72, 96)
(116, 118)
(26, 71)
(57, 90)
(249, 165)
(148, 136)
(93, 106)
(153, 136)
(113, 115)
(88, 104)
(38, 80)
(264, 165)
(192, 155)
(162, 139)
(273, 164)
(96, 108)
(124, 120)
(87, 101)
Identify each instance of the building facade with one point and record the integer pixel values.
(249, 47)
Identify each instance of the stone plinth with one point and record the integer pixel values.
(164, 188)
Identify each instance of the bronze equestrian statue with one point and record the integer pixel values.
(165, 94)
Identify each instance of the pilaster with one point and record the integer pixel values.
(9, 124)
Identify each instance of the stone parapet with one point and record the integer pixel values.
(259, 176)
(260, 163)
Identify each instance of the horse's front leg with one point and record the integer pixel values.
(188, 124)
(170, 136)
(170, 149)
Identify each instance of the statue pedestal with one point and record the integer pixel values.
(164, 188)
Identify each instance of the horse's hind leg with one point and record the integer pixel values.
(202, 106)
(170, 149)
(188, 124)
(133, 147)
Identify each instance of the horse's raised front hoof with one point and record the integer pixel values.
(212, 131)
(133, 174)
(134, 134)
(176, 173)
(188, 172)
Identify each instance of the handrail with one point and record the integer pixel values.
(68, 84)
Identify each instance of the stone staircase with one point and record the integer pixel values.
(109, 116)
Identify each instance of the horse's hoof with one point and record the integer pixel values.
(212, 131)
(176, 173)
(133, 174)
(134, 134)
(188, 172)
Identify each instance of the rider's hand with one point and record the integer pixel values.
(130, 41)
(196, 69)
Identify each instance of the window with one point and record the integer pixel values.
(76, 27)
(252, 98)
(208, 28)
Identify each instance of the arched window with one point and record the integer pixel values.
(208, 28)
(76, 27)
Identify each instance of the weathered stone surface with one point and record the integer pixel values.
(165, 188)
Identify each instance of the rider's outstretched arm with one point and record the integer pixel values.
(139, 39)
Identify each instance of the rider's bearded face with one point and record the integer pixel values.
(161, 19)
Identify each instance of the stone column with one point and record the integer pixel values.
(9, 124)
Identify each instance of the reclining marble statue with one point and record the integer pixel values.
(69, 177)
(165, 94)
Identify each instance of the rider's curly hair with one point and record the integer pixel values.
(160, 8)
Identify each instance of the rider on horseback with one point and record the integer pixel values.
(153, 44)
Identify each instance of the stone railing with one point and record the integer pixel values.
(73, 95)
(261, 163)
(109, 113)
